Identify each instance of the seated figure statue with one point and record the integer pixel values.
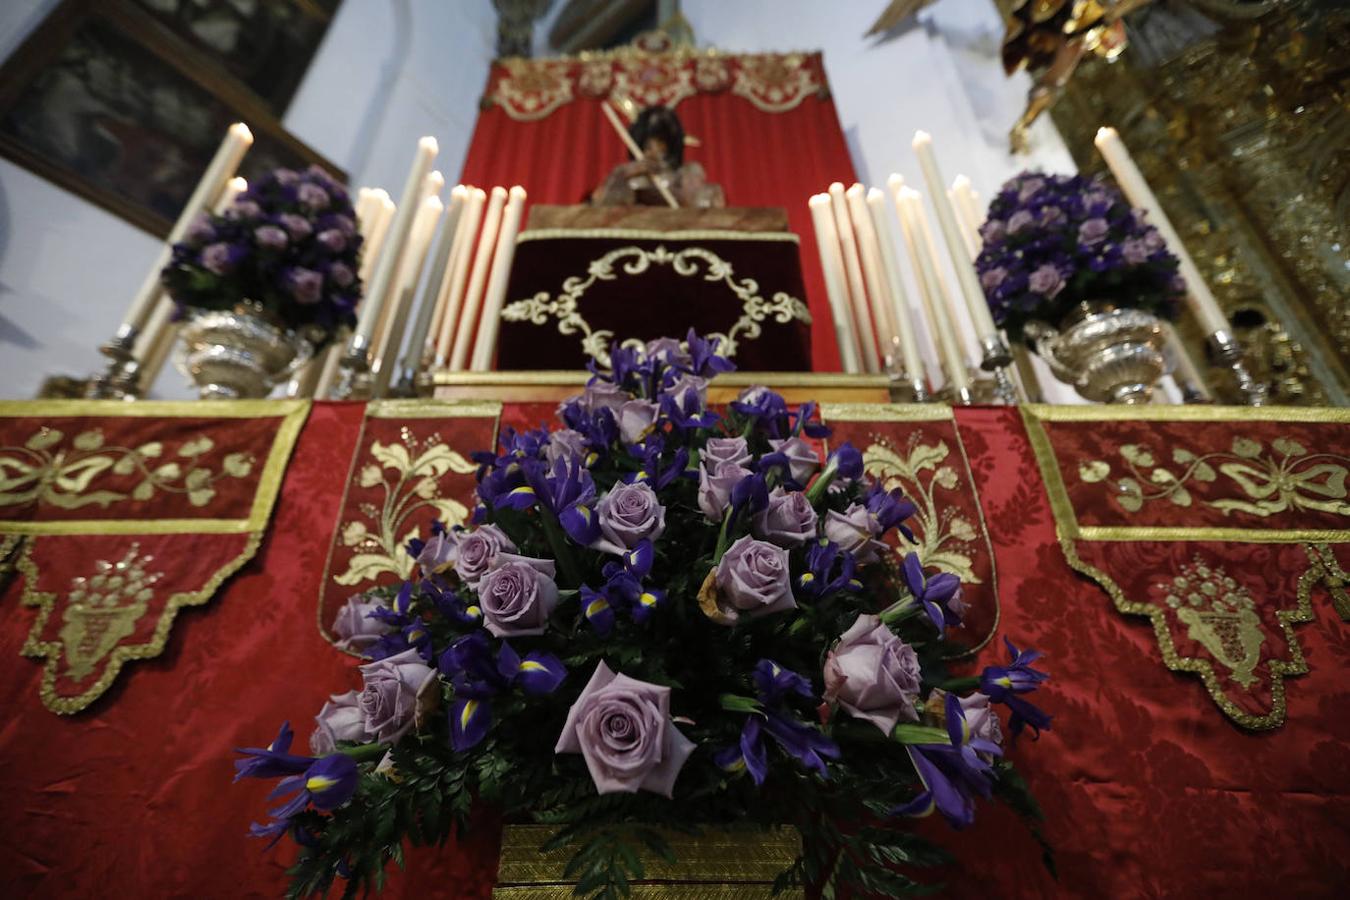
(659, 133)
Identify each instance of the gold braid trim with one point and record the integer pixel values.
(1336, 581)
(51, 651)
(1301, 613)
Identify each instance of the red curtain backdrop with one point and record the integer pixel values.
(760, 159)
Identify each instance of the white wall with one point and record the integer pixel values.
(388, 72)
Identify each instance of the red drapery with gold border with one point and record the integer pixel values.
(768, 129)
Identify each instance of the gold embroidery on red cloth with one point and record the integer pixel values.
(1336, 580)
(775, 82)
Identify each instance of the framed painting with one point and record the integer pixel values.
(110, 101)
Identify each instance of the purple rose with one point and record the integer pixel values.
(731, 450)
(714, 490)
(991, 279)
(873, 674)
(395, 688)
(993, 231)
(802, 460)
(1020, 221)
(686, 385)
(1046, 281)
(439, 553)
(754, 577)
(623, 729)
(981, 719)
(1029, 188)
(603, 395)
(478, 552)
(243, 209)
(1052, 216)
(627, 514)
(788, 520)
(565, 444)
(286, 176)
(346, 225)
(333, 239)
(341, 274)
(353, 626)
(297, 227)
(1092, 232)
(271, 237)
(200, 231)
(852, 531)
(1153, 240)
(636, 418)
(518, 596)
(306, 285)
(219, 258)
(341, 719)
(668, 351)
(312, 197)
(1134, 251)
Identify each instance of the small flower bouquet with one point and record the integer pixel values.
(1052, 242)
(287, 247)
(664, 617)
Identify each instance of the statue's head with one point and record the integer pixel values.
(660, 135)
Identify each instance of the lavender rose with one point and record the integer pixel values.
(312, 197)
(306, 284)
(394, 689)
(518, 596)
(627, 514)
(565, 444)
(754, 577)
(993, 231)
(1020, 220)
(1135, 251)
(603, 395)
(243, 209)
(714, 488)
(439, 553)
(981, 719)
(354, 628)
(341, 719)
(286, 176)
(802, 460)
(1046, 280)
(271, 237)
(730, 450)
(333, 239)
(788, 520)
(681, 390)
(852, 531)
(623, 729)
(219, 258)
(873, 674)
(636, 418)
(341, 274)
(1093, 232)
(200, 231)
(668, 351)
(478, 552)
(297, 226)
(993, 278)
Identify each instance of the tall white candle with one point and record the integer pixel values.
(458, 275)
(233, 188)
(365, 208)
(869, 253)
(434, 184)
(904, 328)
(1136, 189)
(961, 262)
(931, 288)
(440, 264)
(832, 265)
(380, 221)
(848, 246)
(390, 335)
(963, 206)
(220, 170)
(473, 296)
(495, 295)
(384, 280)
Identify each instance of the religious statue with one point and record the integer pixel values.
(659, 170)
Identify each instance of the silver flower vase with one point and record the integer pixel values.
(239, 353)
(1109, 354)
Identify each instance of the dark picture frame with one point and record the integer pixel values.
(112, 102)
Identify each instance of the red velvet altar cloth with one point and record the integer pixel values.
(1149, 792)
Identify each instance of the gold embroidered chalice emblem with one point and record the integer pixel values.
(1220, 615)
(104, 608)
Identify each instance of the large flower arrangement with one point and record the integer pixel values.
(1054, 241)
(664, 617)
(288, 246)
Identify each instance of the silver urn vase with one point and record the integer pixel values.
(239, 353)
(1109, 354)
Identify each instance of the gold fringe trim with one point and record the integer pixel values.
(1336, 581)
(51, 651)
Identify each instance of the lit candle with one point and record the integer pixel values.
(932, 291)
(848, 245)
(390, 334)
(869, 252)
(440, 265)
(384, 280)
(904, 328)
(473, 295)
(961, 262)
(1136, 189)
(452, 291)
(832, 265)
(380, 220)
(220, 170)
(495, 295)
(233, 188)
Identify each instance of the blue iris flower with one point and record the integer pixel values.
(705, 356)
(939, 594)
(1004, 684)
(952, 774)
(828, 569)
(800, 740)
(477, 674)
(889, 509)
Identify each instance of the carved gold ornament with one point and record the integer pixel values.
(775, 82)
(532, 89)
(690, 262)
(407, 476)
(44, 470)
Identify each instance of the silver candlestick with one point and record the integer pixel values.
(1227, 352)
(354, 380)
(120, 380)
(996, 360)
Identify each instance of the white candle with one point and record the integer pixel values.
(384, 280)
(1136, 189)
(452, 291)
(380, 221)
(366, 205)
(932, 291)
(495, 295)
(391, 330)
(233, 188)
(220, 170)
(440, 264)
(473, 295)
(832, 265)
(904, 328)
(434, 184)
(965, 269)
(869, 252)
(964, 205)
(848, 245)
